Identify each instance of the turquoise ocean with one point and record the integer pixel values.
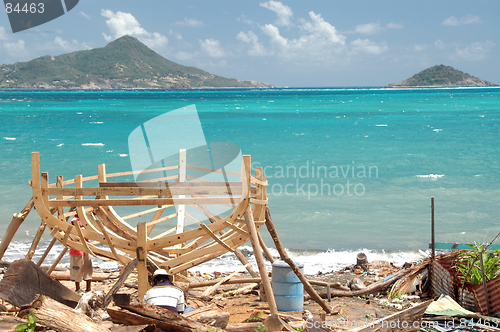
(349, 169)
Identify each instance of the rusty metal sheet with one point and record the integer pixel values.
(493, 287)
(442, 283)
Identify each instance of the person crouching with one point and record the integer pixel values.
(165, 294)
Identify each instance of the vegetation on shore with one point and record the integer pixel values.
(123, 63)
(442, 75)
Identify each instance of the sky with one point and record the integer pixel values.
(313, 43)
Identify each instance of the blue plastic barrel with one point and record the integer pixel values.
(287, 289)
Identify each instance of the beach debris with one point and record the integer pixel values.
(407, 320)
(356, 284)
(23, 280)
(58, 316)
(413, 282)
(92, 305)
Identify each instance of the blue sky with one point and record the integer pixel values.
(285, 43)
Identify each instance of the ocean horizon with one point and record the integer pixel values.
(349, 168)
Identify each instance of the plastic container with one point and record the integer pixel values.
(287, 289)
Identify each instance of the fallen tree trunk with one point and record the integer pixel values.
(24, 280)
(169, 320)
(58, 316)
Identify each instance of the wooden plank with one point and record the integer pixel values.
(150, 188)
(59, 317)
(216, 238)
(112, 175)
(208, 170)
(23, 280)
(140, 202)
(124, 275)
(142, 259)
(35, 169)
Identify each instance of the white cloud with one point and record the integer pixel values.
(375, 28)
(87, 16)
(440, 44)
(16, 49)
(419, 47)
(121, 24)
(175, 34)
(284, 12)
(3, 33)
(469, 19)
(189, 22)
(475, 52)
(367, 47)
(394, 26)
(274, 33)
(369, 28)
(212, 48)
(184, 56)
(322, 30)
(256, 49)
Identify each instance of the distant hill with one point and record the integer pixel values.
(123, 63)
(442, 75)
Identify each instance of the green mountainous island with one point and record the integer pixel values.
(442, 75)
(123, 63)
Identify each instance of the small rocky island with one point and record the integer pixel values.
(442, 76)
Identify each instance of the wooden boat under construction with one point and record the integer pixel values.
(108, 236)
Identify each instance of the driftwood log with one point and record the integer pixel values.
(65, 276)
(374, 288)
(24, 280)
(140, 312)
(58, 316)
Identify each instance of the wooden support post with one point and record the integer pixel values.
(36, 240)
(51, 244)
(17, 220)
(295, 268)
(142, 259)
(273, 322)
(58, 259)
(260, 261)
(266, 250)
(181, 209)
